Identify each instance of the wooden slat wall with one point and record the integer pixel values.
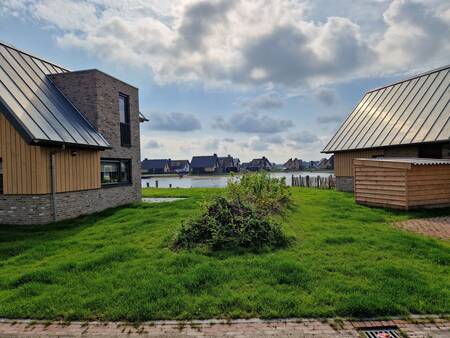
(26, 168)
(429, 185)
(343, 161)
(380, 185)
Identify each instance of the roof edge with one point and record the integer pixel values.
(410, 78)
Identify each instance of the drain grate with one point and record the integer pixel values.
(381, 332)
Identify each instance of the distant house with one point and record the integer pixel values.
(69, 140)
(180, 166)
(205, 164)
(229, 164)
(258, 164)
(159, 166)
(406, 119)
(326, 163)
(293, 164)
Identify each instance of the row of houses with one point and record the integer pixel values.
(298, 164)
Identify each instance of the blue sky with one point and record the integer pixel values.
(241, 77)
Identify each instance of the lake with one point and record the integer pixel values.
(216, 181)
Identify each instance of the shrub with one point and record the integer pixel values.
(226, 224)
(267, 194)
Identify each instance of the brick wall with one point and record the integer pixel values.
(38, 209)
(344, 183)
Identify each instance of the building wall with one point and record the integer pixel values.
(27, 167)
(38, 209)
(99, 101)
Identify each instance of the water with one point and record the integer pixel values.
(217, 181)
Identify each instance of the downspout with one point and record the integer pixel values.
(53, 178)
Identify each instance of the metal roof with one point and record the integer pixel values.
(412, 111)
(204, 161)
(36, 107)
(154, 164)
(413, 161)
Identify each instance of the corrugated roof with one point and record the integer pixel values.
(38, 109)
(413, 161)
(415, 110)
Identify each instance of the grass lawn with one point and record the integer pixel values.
(347, 260)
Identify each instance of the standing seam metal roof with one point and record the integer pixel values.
(415, 110)
(36, 107)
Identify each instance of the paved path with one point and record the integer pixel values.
(254, 328)
(437, 227)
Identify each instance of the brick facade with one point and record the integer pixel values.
(344, 183)
(96, 95)
(38, 209)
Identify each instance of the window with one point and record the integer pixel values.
(1, 176)
(115, 172)
(124, 111)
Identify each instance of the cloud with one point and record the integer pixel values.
(248, 122)
(291, 43)
(326, 96)
(152, 144)
(228, 140)
(212, 144)
(173, 122)
(331, 118)
(267, 101)
(263, 143)
(302, 139)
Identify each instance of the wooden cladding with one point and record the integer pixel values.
(26, 168)
(343, 161)
(401, 185)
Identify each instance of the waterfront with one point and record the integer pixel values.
(214, 181)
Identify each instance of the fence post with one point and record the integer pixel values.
(307, 181)
(148, 184)
(292, 180)
(156, 184)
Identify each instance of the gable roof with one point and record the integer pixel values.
(179, 164)
(154, 164)
(36, 108)
(415, 110)
(204, 161)
(260, 162)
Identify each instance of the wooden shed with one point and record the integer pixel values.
(402, 183)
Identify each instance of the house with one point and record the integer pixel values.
(258, 164)
(180, 166)
(229, 164)
(69, 140)
(406, 119)
(205, 164)
(159, 166)
(293, 164)
(326, 163)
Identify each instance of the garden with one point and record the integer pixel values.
(308, 253)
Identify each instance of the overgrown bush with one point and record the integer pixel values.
(242, 217)
(267, 194)
(226, 224)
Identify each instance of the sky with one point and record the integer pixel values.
(249, 78)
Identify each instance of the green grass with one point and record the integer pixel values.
(347, 260)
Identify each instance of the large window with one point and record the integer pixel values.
(1, 176)
(114, 172)
(124, 111)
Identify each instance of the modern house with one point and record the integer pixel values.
(159, 166)
(205, 164)
(180, 166)
(69, 140)
(258, 164)
(229, 164)
(406, 119)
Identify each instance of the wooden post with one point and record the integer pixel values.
(148, 185)
(170, 185)
(292, 180)
(156, 184)
(307, 181)
(318, 181)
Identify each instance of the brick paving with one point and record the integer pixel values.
(417, 327)
(437, 227)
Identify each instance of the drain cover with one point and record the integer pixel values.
(381, 332)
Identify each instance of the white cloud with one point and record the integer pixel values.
(251, 122)
(252, 42)
(266, 101)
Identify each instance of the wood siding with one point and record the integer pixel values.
(401, 185)
(343, 161)
(26, 168)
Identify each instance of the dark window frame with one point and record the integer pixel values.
(120, 181)
(125, 127)
(1, 176)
